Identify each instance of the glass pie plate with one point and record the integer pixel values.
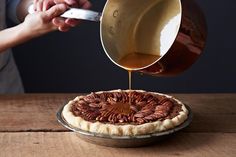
(123, 141)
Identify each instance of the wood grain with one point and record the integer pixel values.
(39, 144)
(28, 127)
(37, 112)
(212, 112)
(31, 112)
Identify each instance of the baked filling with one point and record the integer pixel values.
(125, 112)
(122, 108)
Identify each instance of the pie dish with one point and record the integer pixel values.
(125, 112)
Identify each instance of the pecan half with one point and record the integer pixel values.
(125, 107)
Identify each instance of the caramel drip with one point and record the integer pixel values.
(135, 61)
(130, 79)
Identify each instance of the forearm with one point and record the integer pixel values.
(22, 9)
(13, 36)
(33, 26)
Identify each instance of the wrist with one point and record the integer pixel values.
(13, 36)
(24, 32)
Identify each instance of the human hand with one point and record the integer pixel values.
(40, 23)
(62, 23)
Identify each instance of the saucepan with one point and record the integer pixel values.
(156, 37)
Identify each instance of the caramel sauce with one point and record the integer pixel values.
(134, 61)
(121, 108)
(130, 79)
(137, 60)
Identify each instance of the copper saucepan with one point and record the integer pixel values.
(173, 30)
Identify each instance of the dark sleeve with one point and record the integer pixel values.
(11, 10)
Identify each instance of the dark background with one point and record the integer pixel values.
(75, 61)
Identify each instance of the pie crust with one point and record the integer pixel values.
(125, 129)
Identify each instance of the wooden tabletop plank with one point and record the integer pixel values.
(68, 144)
(37, 112)
(212, 112)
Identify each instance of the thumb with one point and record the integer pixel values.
(55, 11)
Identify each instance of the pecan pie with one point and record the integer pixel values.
(125, 112)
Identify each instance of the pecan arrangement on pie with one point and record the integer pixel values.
(125, 112)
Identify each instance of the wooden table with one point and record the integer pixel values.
(28, 127)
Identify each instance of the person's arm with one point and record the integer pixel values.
(43, 5)
(43, 21)
(33, 26)
(62, 23)
(12, 36)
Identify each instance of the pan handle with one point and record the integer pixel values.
(75, 13)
